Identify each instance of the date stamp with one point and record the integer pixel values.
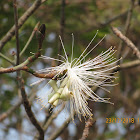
(122, 120)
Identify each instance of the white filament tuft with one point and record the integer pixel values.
(74, 86)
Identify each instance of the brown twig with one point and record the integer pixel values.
(26, 103)
(21, 21)
(107, 22)
(60, 130)
(112, 19)
(126, 29)
(88, 124)
(31, 58)
(7, 59)
(16, 30)
(30, 38)
(51, 118)
(13, 108)
(128, 65)
(50, 75)
(28, 110)
(128, 42)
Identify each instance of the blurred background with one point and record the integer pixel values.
(82, 18)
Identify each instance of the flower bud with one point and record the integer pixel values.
(60, 90)
(54, 98)
(65, 94)
(53, 84)
(50, 95)
(64, 82)
(56, 103)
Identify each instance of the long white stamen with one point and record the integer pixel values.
(90, 50)
(87, 47)
(63, 48)
(75, 85)
(46, 57)
(72, 46)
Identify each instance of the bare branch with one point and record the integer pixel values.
(60, 130)
(107, 22)
(50, 75)
(7, 59)
(21, 21)
(13, 108)
(128, 65)
(51, 118)
(88, 124)
(21, 83)
(16, 30)
(31, 58)
(10, 111)
(30, 38)
(128, 42)
(126, 28)
(28, 110)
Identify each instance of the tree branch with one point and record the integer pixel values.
(51, 118)
(50, 75)
(13, 108)
(7, 59)
(88, 124)
(21, 21)
(28, 110)
(128, 65)
(60, 130)
(30, 59)
(30, 38)
(128, 42)
(16, 31)
(126, 29)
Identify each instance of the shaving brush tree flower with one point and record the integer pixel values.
(78, 75)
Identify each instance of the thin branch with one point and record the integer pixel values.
(7, 59)
(30, 38)
(126, 28)
(109, 21)
(31, 58)
(129, 16)
(25, 47)
(10, 111)
(88, 124)
(51, 118)
(130, 64)
(13, 108)
(16, 31)
(128, 42)
(21, 21)
(60, 130)
(23, 66)
(28, 110)
(50, 75)
(26, 103)
(112, 19)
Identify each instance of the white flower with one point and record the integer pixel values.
(74, 87)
